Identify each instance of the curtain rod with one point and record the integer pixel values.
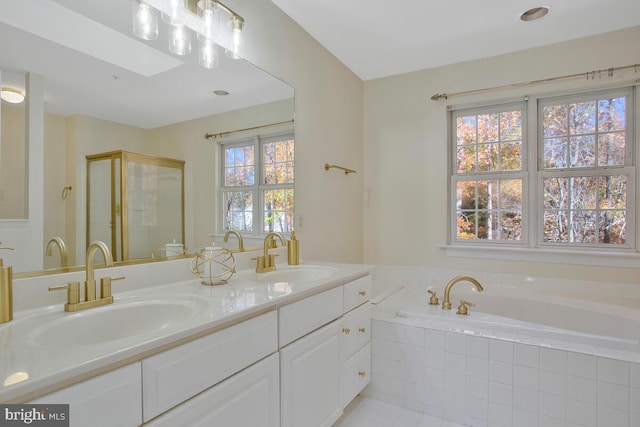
(589, 75)
(216, 135)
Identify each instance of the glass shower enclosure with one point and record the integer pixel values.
(135, 203)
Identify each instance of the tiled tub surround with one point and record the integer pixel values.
(474, 374)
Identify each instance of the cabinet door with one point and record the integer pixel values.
(249, 398)
(310, 371)
(109, 400)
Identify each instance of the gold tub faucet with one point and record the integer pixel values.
(239, 236)
(446, 303)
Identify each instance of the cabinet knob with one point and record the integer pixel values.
(362, 374)
(346, 330)
(362, 293)
(362, 330)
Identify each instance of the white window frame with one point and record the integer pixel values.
(627, 255)
(258, 188)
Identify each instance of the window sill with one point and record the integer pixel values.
(628, 259)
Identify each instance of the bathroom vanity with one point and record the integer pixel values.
(286, 348)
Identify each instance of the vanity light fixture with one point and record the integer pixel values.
(534, 14)
(11, 95)
(213, 23)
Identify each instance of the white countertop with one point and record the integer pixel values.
(50, 366)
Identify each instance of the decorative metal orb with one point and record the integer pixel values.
(214, 266)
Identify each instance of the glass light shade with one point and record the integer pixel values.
(180, 40)
(237, 40)
(208, 54)
(172, 15)
(145, 21)
(11, 95)
(208, 14)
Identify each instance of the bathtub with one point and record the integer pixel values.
(554, 320)
(520, 358)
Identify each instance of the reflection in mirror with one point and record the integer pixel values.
(119, 93)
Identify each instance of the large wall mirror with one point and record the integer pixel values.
(93, 87)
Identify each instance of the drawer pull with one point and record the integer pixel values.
(362, 374)
(362, 293)
(362, 330)
(346, 330)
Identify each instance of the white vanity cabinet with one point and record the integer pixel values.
(108, 400)
(317, 362)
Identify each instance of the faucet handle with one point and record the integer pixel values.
(462, 308)
(105, 285)
(73, 291)
(433, 300)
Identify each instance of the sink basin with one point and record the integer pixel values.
(293, 274)
(115, 322)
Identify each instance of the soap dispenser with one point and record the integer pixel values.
(293, 250)
(6, 293)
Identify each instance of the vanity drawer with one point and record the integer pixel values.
(357, 292)
(357, 330)
(300, 318)
(172, 377)
(356, 374)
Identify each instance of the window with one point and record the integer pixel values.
(257, 185)
(582, 182)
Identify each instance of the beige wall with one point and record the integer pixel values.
(13, 196)
(405, 151)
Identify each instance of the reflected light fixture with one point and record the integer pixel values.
(214, 23)
(11, 95)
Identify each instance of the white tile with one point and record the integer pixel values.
(414, 392)
(412, 372)
(478, 347)
(613, 396)
(500, 415)
(454, 362)
(477, 408)
(553, 383)
(582, 365)
(455, 383)
(434, 397)
(612, 417)
(547, 421)
(582, 389)
(434, 339)
(501, 394)
(455, 343)
(635, 374)
(501, 372)
(525, 377)
(434, 358)
(387, 367)
(454, 406)
(434, 378)
(476, 422)
(522, 418)
(613, 371)
(526, 355)
(477, 368)
(399, 333)
(582, 413)
(635, 420)
(553, 360)
(525, 399)
(477, 388)
(552, 405)
(501, 351)
(634, 400)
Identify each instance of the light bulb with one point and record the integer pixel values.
(171, 17)
(208, 13)
(208, 54)
(237, 23)
(180, 40)
(145, 21)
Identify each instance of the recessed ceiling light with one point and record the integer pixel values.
(11, 95)
(221, 92)
(534, 13)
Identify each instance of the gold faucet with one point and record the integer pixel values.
(239, 236)
(57, 241)
(90, 300)
(446, 303)
(267, 262)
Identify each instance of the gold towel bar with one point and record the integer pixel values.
(347, 171)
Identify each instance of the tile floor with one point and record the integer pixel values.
(367, 412)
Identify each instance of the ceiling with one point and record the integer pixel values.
(93, 65)
(377, 38)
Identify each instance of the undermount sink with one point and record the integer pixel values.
(294, 274)
(115, 322)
